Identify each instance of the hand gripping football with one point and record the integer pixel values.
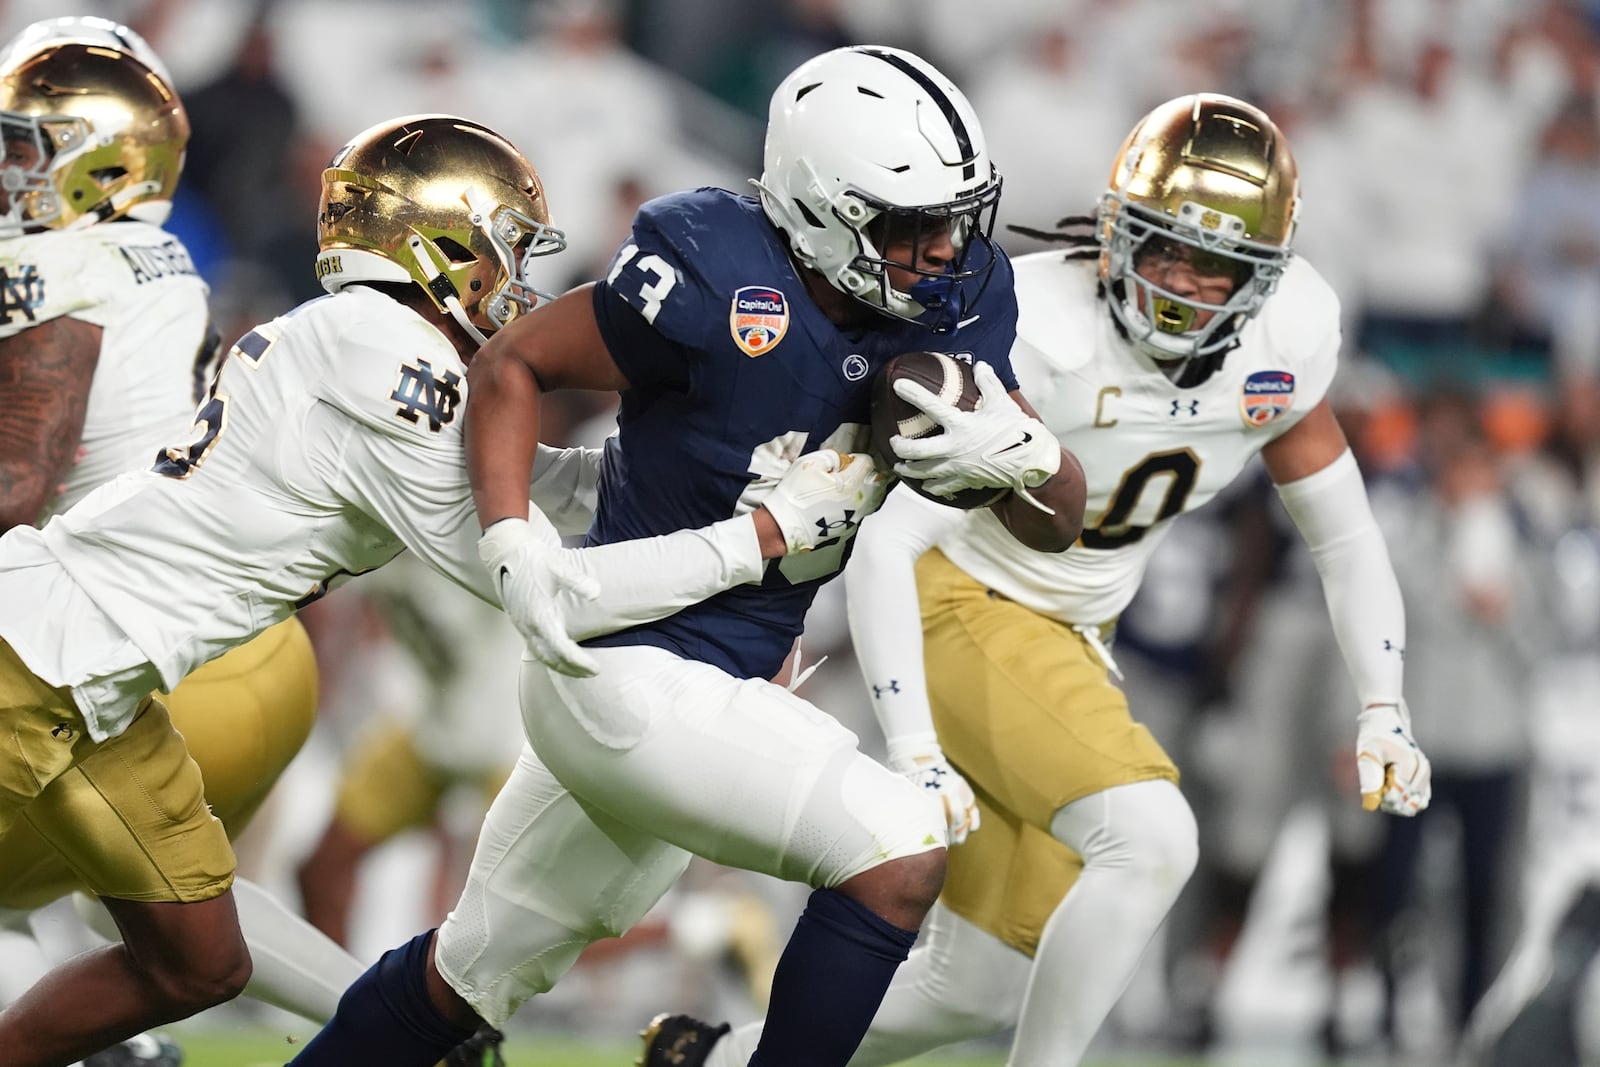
(947, 378)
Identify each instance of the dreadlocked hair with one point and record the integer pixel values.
(1081, 232)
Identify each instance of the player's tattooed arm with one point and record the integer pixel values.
(45, 373)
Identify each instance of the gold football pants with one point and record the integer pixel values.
(138, 816)
(1026, 710)
(388, 786)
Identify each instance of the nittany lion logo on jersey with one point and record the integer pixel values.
(1265, 395)
(759, 319)
(420, 393)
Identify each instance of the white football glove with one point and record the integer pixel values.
(824, 495)
(1395, 776)
(995, 445)
(921, 760)
(531, 574)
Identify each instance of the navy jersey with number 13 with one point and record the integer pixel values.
(733, 373)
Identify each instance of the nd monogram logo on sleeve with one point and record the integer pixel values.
(21, 291)
(420, 393)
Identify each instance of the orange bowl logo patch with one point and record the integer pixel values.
(759, 319)
(1265, 395)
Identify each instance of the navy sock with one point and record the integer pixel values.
(385, 1017)
(829, 982)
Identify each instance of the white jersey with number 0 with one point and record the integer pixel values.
(1149, 449)
(136, 282)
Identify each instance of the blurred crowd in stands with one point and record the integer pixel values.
(1450, 160)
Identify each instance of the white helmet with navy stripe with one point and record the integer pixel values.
(862, 141)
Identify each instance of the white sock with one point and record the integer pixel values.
(294, 965)
(959, 983)
(1139, 847)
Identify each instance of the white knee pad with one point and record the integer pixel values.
(1145, 828)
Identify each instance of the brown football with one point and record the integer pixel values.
(945, 377)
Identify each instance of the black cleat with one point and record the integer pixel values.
(482, 1049)
(141, 1050)
(678, 1041)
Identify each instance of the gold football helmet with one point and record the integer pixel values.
(1213, 173)
(443, 202)
(91, 125)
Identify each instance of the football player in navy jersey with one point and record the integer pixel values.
(742, 333)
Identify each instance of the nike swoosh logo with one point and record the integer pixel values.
(1026, 438)
(967, 322)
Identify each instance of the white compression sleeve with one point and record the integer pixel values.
(885, 618)
(652, 577)
(1331, 510)
(294, 965)
(566, 486)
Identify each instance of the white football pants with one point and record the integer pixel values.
(651, 759)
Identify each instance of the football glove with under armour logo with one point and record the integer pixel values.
(1395, 776)
(824, 495)
(995, 445)
(920, 759)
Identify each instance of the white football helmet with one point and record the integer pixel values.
(863, 138)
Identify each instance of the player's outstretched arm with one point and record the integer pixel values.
(1321, 487)
(47, 370)
(558, 347)
(886, 628)
(649, 578)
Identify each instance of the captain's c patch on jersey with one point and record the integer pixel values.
(759, 318)
(1265, 395)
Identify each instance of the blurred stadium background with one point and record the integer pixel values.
(1450, 157)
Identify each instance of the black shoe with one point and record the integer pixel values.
(678, 1041)
(141, 1050)
(482, 1049)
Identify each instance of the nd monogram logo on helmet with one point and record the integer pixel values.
(420, 393)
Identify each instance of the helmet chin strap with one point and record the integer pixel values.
(441, 288)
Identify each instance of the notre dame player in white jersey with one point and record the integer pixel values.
(106, 341)
(1166, 350)
(328, 443)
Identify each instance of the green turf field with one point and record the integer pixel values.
(261, 1049)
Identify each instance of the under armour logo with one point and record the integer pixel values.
(933, 778)
(63, 731)
(879, 690)
(1178, 407)
(420, 392)
(1390, 646)
(826, 527)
